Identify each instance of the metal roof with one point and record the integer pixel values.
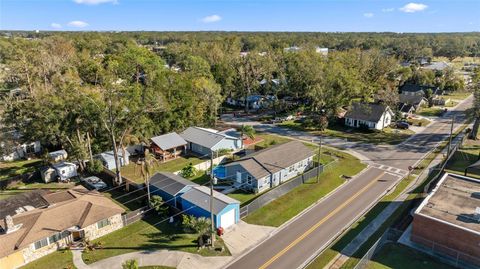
(202, 137)
(200, 196)
(168, 141)
(170, 183)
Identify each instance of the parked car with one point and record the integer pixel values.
(94, 182)
(402, 125)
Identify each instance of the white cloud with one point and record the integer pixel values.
(95, 2)
(388, 9)
(79, 24)
(413, 7)
(55, 25)
(211, 18)
(368, 15)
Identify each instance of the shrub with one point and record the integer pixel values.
(157, 203)
(189, 171)
(95, 167)
(130, 264)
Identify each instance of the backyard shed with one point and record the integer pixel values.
(61, 171)
(108, 159)
(226, 210)
(59, 155)
(170, 186)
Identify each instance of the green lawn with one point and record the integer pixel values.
(387, 136)
(129, 201)
(431, 111)
(22, 187)
(458, 95)
(15, 168)
(292, 203)
(395, 255)
(61, 259)
(132, 171)
(465, 156)
(270, 140)
(242, 196)
(147, 235)
(418, 121)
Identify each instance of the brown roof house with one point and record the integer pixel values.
(69, 216)
(268, 168)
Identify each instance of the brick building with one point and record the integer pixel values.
(447, 222)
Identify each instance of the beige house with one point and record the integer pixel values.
(70, 216)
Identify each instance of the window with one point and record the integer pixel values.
(291, 168)
(58, 236)
(103, 223)
(249, 179)
(41, 243)
(30, 148)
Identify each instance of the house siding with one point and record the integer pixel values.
(386, 118)
(30, 254)
(265, 183)
(172, 200)
(196, 211)
(231, 144)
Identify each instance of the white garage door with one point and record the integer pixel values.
(227, 219)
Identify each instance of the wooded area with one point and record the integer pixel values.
(89, 92)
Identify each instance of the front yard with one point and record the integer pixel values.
(431, 111)
(133, 171)
(292, 203)
(149, 235)
(387, 136)
(61, 259)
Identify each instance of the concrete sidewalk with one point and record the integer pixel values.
(365, 234)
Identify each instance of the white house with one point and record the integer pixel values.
(20, 151)
(372, 116)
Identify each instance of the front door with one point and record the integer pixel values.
(355, 123)
(77, 235)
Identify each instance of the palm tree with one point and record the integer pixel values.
(247, 130)
(147, 164)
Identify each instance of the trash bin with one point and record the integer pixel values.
(220, 231)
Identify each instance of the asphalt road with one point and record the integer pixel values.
(296, 242)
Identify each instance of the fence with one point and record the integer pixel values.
(134, 216)
(280, 190)
(457, 142)
(390, 235)
(454, 257)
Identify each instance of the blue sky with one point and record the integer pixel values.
(237, 15)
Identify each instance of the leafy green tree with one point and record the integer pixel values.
(188, 171)
(157, 203)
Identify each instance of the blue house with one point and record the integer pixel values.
(196, 202)
(170, 187)
(204, 141)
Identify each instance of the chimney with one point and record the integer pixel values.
(10, 226)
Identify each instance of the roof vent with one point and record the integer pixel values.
(476, 216)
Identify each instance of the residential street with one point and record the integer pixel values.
(297, 241)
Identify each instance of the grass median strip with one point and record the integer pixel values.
(292, 203)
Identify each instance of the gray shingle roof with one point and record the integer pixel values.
(411, 99)
(417, 88)
(33, 199)
(366, 112)
(168, 141)
(274, 159)
(202, 137)
(200, 196)
(170, 183)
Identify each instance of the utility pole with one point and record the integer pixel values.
(318, 158)
(211, 200)
(450, 139)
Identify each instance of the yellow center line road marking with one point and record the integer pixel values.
(309, 231)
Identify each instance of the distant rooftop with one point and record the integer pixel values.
(454, 201)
